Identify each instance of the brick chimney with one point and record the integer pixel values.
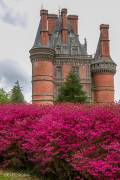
(73, 21)
(51, 22)
(43, 28)
(104, 40)
(64, 26)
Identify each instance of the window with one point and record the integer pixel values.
(58, 73)
(75, 70)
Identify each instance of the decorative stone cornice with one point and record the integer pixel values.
(74, 56)
(45, 54)
(74, 60)
(103, 67)
(42, 53)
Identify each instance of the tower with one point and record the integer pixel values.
(57, 51)
(42, 64)
(103, 69)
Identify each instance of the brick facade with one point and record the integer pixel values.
(57, 51)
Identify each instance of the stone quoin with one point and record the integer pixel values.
(57, 51)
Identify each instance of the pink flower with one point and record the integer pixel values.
(86, 138)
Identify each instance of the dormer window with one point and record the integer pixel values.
(58, 50)
(74, 50)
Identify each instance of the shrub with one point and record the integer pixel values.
(63, 141)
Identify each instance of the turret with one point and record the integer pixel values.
(103, 69)
(42, 64)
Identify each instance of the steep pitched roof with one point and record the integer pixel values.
(55, 41)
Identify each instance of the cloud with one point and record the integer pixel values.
(9, 16)
(2, 4)
(10, 72)
(12, 19)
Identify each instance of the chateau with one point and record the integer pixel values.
(57, 51)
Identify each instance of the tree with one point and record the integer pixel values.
(16, 94)
(4, 98)
(71, 90)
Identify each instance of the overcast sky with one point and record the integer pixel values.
(19, 21)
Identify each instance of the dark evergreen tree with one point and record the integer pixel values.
(4, 97)
(16, 94)
(71, 90)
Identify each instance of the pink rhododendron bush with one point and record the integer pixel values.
(62, 141)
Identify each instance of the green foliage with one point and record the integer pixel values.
(71, 90)
(4, 98)
(16, 94)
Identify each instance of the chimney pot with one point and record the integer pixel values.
(43, 12)
(104, 26)
(63, 11)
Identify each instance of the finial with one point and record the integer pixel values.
(59, 11)
(85, 41)
(85, 45)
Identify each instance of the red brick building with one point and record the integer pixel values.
(57, 51)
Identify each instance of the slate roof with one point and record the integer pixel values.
(73, 47)
(37, 39)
